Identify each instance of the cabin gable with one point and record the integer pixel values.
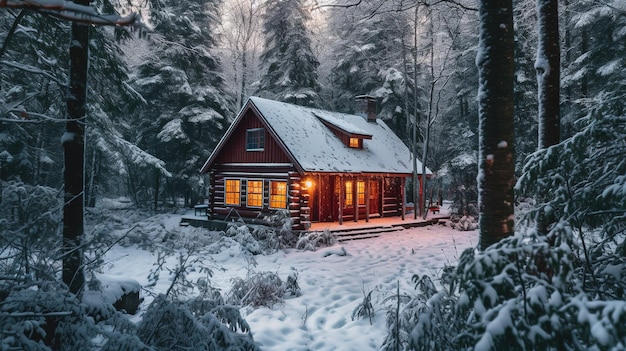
(242, 146)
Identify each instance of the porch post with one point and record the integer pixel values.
(403, 195)
(355, 197)
(340, 209)
(367, 199)
(382, 197)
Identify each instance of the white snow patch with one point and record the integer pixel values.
(331, 286)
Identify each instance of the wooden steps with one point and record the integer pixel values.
(363, 233)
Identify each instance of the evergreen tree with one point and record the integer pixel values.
(594, 63)
(372, 57)
(525, 86)
(288, 63)
(186, 106)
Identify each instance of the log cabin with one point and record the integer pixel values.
(318, 165)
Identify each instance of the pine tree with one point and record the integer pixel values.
(370, 57)
(288, 63)
(186, 103)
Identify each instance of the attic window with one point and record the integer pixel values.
(354, 143)
(255, 139)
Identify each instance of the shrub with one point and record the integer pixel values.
(257, 289)
(195, 325)
(312, 241)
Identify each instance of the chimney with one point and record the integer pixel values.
(366, 107)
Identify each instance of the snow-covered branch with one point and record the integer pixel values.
(32, 69)
(70, 11)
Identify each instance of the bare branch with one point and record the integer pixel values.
(68, 10)
(402, 6)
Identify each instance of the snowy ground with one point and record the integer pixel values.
(332, 285)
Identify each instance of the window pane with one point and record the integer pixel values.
(278, 194)
(255, 139)
(255, 193)
(233, 189)
(360, 192)
(354, 142)
(349, 193)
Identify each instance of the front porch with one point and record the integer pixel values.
(346, 231)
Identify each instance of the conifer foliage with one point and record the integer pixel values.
(186, 107)
(288, 63)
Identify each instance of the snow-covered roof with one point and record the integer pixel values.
(315, 148)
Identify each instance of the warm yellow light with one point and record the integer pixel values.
(308, 183)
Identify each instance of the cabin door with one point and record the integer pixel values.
(374, 197)
(327, 199)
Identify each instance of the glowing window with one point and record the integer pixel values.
(278, 194)
(233, 191)
(255, 193)
(255, 139)
(349, 193)
(360, 192)
(354, 142)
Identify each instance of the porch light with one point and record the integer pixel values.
(308, 183)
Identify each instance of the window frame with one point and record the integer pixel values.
(257, 195)
(360, 192)
(272, 195)
(255, 139)
(349, 193)
(226, 192)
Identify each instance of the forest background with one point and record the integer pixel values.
(161, 95)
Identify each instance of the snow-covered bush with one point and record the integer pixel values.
(279, 233)
(242, 235)
(291, 284)
(195, 325)
(257, 289)
(312, 241)
(424, 321)
(43, 316)
(364, 309)
(192, 260)
(275, 234)
(30, 230)
(463, 223)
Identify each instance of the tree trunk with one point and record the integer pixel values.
(74, 149)
(157, 186)
(548, 70)
(495, 107)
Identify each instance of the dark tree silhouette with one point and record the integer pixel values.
(74, 138)
(496, 162)
(548, 65)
